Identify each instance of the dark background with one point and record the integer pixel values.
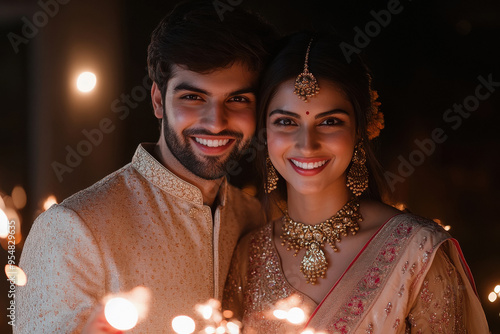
(427, 59)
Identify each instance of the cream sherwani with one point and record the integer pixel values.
(140, 226)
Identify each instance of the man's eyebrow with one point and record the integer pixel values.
(189, 87)
(247, 90)
(186, 86)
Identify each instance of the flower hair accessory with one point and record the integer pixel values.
(375, 116)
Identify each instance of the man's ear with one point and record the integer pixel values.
(157, 101)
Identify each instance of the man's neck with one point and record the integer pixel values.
(209, 188)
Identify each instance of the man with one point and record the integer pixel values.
(169, 220)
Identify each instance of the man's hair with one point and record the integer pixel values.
(202, 38)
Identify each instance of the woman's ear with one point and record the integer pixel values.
(156, 98)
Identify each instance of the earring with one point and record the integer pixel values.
(357, 177)
(272, 177)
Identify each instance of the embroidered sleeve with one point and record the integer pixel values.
(65, 272)
(440, 305)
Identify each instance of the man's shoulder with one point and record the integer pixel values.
(104, 191)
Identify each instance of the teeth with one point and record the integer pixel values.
(310, 165)
(211, 143)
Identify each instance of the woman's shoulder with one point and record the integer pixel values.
(377, 214)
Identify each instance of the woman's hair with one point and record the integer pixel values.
(327, 62)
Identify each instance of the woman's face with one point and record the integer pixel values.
(311, 143)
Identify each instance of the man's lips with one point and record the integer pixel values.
(308, 167)
(213, 145)
(211, 142)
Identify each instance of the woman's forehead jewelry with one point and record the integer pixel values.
(306, 85)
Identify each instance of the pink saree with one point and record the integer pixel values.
(409, 278)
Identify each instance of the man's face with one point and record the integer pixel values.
(209, 118)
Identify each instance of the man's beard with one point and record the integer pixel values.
(211, 167)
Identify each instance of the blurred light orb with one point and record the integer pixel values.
(16, 275)
(51, 200)
(295, 315)
(19, 197)
(4, 225)
(183, 324)
(210, 330)
(492, 297)
(121, 313)
(280, 314)
(497, 289)
(86, 82)
(233, 328)
(206, 311)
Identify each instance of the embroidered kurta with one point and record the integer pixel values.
(409, 278)
(139, 226)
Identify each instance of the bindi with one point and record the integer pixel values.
(307, 112)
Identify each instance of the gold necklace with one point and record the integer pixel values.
(313, 237)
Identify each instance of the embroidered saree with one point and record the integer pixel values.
(409, 278)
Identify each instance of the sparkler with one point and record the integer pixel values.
(123, 311)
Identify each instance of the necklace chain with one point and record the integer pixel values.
(297, 235)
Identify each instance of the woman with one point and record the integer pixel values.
(350, 262)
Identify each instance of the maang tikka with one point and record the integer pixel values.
(306, 85)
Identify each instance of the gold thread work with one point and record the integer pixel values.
(297, 235)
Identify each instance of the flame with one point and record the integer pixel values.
(16, 275)
(183, 324)
(51, 200)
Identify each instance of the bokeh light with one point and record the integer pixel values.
(51, 200)
(121, 313)
(86, 82)
(16, 275)
(4, 224)
(19, 197)
(183, 324)
(295, 315)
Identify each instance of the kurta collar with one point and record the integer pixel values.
(153, 171)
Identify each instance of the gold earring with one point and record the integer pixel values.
(357, 177)
(272, 177)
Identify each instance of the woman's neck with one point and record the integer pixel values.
(316, 207)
